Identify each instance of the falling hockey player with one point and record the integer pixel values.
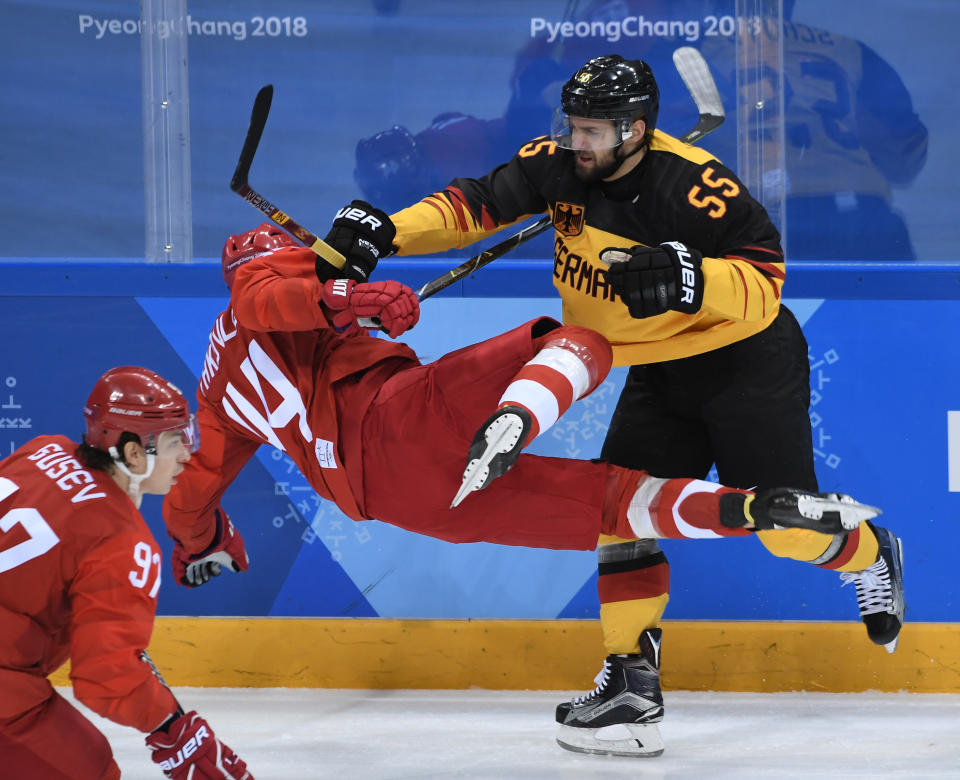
(384, 436)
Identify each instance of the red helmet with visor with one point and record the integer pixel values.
(129, 398)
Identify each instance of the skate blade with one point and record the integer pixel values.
(631, 740)
(850, 511)
(504, 439)
(891, 647)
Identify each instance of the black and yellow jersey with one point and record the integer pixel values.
(676, 193)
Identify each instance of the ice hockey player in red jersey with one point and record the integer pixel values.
(384, 436)
(79, 576)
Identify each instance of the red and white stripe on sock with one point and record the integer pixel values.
(678, 509)
(563, 371)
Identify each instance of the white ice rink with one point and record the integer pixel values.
(287, 734)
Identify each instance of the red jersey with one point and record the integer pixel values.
(268, 378)
(79, 575)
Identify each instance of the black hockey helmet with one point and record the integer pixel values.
(611, 87)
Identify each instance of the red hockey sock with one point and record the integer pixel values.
(571, 363)
(652, 508)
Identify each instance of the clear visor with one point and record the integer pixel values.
(167, 444)
(586, 135)
(191, 434)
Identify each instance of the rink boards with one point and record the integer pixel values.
(884, 377)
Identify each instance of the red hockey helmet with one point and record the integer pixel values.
(243, 248)
(129, 398)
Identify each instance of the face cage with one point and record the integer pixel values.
(561, 133)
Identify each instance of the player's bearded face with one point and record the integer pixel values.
(595, 148)
(596, 165)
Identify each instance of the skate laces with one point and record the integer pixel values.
(601, 680)
(874, 591)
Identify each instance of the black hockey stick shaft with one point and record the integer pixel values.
(484, 258)
(240, 183)
(473, 264)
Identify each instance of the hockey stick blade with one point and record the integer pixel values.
(695, 72)
(240, 183)
(258, 120)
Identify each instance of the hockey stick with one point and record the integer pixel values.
(473, 264)
(695, 72)
(240, 185)
(690, 64)
(484, 258)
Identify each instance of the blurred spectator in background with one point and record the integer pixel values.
(851, 132)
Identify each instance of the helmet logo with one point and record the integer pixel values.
(568, 218)
(583, 78)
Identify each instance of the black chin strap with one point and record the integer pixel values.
(618, 154)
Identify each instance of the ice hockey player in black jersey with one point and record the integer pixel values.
(660, 247)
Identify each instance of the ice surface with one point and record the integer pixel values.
(288, 734)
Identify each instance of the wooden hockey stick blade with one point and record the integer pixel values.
(240, 184)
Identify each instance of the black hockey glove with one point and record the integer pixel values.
(362, 234)
(652, 280)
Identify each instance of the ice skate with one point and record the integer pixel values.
(828, 513)
(880, 591)
(495, 449)
(619, 717)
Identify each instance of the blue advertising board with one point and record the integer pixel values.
(883, 374)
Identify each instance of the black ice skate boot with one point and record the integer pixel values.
(773, 508)
(619, 717)
(880, 590)
(495, 449)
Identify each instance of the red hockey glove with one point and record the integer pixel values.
(226, 549)
(335, 299)
(394, 305)
(188, 750)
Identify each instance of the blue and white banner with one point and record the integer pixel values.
(884, 395)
